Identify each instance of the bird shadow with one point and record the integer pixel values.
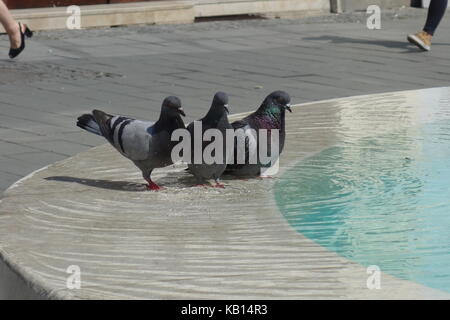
(181, 179)
(100, 183)
(170, 180)
(390, 44)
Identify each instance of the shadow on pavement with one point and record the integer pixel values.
(391, 44)
(172, 179)
(104, 184)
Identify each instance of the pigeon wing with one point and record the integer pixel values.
(132, 138)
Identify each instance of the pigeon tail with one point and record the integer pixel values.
(88, 123)
(102, 119)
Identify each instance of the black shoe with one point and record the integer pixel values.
(15, 52)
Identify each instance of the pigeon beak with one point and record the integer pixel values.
(226, 108)
(288, 107)
(181, 111)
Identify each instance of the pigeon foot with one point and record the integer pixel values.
(153, 186)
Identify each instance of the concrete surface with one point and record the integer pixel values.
(162, 12)
(130, 70)
(159, 12)
(361, 5)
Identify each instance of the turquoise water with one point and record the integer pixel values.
(382, 200)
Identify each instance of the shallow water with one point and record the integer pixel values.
(379, 200)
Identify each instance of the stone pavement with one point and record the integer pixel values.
(130, 70)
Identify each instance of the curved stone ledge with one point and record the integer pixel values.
(189, 243)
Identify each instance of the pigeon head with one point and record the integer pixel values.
(220, 102)
(218, 109)
(171, 106)
(278, 99)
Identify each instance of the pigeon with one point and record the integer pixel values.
(216, 118)
(147, 144)
(270, 115)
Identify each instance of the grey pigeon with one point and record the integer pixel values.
(148, 144)
(216, 118)
(270, 115)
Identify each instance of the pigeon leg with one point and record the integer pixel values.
(218, 184)
(200, 183)
(151, 185)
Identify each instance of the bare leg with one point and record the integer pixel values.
(10, 25)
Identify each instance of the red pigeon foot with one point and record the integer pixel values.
(153, 186)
